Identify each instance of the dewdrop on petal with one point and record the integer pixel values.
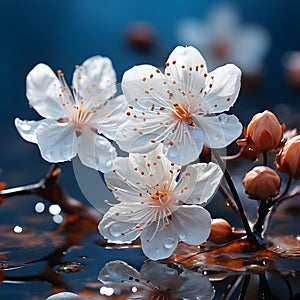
(288, 159)
(263, 133)
(221, 231)
(261, 183)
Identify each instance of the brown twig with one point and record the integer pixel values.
(50, 190)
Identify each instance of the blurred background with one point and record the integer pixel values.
(257, 36)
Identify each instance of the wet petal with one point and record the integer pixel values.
(184, 145)
(42, 91)
(219, 131)
(114, 229)
(95, 151)
(222, 91)
(144, 84)
(27, 129)
(138, 136)
(192, 224)
(158, 244)
(188, 68)
(57, 141)
(198, 183)
(94, 76)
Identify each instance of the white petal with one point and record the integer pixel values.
(132, 176)
(184, 145)
(95, 151)
(42, 91)
(112, 116)
(57, 141)
(143, 84)
(158, 244)
(27, 129)
(94, 76)
(118, 271)
(136, 136)
(224, 90)
(194, 286)
(201, 181)
(192, 224)
(114, 229)
(219, 131)
(187, 67)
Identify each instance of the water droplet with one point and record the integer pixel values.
(224, 119)
(169, 243)
(108, 164)
(182, 235)
(116, 229)
(49, 154)
(69, 267)
(170, 271)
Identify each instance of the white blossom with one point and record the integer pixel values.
(182, 107)
(76, 117)
(159, 203)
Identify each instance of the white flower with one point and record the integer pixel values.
(157, 281)
(223, 37)
(151, 202)
(178, 107)
(74, 117)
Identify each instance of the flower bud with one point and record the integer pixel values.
(261, 183)
(264, 132)
(221, 231)
(288, 159)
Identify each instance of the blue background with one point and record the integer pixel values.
(65, 33)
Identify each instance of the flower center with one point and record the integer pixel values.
(182, 113)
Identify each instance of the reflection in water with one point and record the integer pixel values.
(157, 281)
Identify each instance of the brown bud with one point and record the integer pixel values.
(261, 183)
(264, 132)
(288, 159)
(221, 231)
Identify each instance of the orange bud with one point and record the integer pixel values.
(288, 159)
(264, 132)
(261, 183)
(221, 231)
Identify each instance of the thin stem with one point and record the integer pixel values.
(229, 199)
(265, 158)
(234, 194)
(263, 211)
(244, 287)
(287, 187)
(232, 287)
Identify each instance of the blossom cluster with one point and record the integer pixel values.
(163, 120)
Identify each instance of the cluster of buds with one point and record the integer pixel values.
(264, 133)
